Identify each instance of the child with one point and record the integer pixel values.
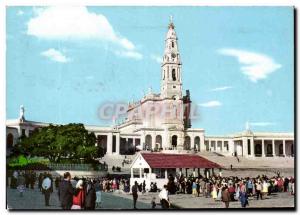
(153, 203)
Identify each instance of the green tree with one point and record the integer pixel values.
(57, 142)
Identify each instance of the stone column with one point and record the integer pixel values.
(263, 148)
(117, 143)
(273, 148)
(142, 141)
(109, 144)
(245, 147)
(180, 140)
(222, 146)
(166, 173)
(153, 141)
(252, 147)
(140, 172)
(202, 144)
(131, 170)
(192, 143)
(283, 146)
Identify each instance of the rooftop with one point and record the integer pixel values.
(162, 160)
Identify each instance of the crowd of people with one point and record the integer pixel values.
(232, 188)
(85, 193)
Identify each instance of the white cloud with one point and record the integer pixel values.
(254, 65)
(76, 23)
(20, 12)
(221, 88)
(130, 54)
(55, 55)
(156, 58)
(211, 104)
(261, 124)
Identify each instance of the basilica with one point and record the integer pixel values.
(170, 129)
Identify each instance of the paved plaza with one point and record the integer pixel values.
(33, 199)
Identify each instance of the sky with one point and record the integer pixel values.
(62, 64)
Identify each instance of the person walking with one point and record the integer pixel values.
(134, 190)
(225, 196)
(47, 189)
(264, 191)
(258, 190)
(32, 179)
(21, 184)
(98, 193)
(243, 198)
(214, 192)
(79, 196)
(14, 179)
(40, 181)
(194, 188)
(198, 187)
(164, 198)
(144, 186)
(249, 187)
(90, 196)
(65, 192)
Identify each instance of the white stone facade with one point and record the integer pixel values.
(168, 132)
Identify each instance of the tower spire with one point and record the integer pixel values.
(171, 24)
(171, 83)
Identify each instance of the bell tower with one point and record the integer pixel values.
(171, 83)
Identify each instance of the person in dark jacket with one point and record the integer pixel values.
(225, 196)
(41, 178)
(243, 199)
(134, 191)
(65, 192)
(90, 196)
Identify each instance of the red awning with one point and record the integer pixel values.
(161, 160)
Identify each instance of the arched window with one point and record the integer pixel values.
(197, 143)
(9, 141)
(148, 144)
(174, 141)
(172, 44)
(187, 143)
(173, 75)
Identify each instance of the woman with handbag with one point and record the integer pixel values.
(78, 197)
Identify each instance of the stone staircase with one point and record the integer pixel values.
(116, 160)
(258, 162)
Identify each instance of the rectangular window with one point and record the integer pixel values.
(137, 142)
(23, 132)
(114, 144)
(226, 145)
(249, 147)
(30, 132)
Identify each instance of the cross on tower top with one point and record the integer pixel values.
(171, 25)
(171, 19)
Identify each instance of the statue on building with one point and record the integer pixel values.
(150, 90)
(247, 126)
(22, 115)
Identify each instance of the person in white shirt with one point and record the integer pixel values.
(47, 188)
(164, 198)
